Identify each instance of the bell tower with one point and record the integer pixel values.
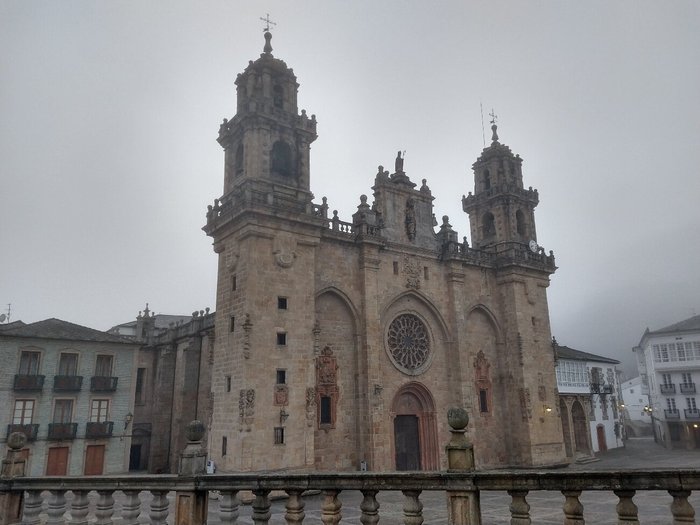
(500, 209)
(267, 140)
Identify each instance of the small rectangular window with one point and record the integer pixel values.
(279, 435)
(396, 268)
(483, 400)
(232, 326)
(282, 338)
(425, 272)
(29, 363)
(224, 445)
(228, 383)
(281, 303)
(63, 411)
(24, 410)
(103, 366)
(281, 377)
(68, 365)
(99, 410)
(326, 416)
(233, 283)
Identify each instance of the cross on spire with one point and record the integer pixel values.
(267, 22)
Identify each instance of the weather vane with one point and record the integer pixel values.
(494, 117)
(267, 22)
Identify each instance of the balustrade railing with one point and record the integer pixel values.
(152, 499)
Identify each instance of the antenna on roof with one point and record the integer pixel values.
(483, 136)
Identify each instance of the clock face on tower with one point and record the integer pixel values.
(533, 246)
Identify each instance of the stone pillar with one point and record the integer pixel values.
(462, 506)
(13, 466)
(191, 506)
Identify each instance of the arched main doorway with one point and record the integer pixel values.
(415, 429)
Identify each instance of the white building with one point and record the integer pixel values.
(69, 389)
(637, 416)
(669, 363)
(588, 402)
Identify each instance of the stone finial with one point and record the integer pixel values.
(457, 418)
(194, 431)
(494, 135)
(268, 46)
(460, 453)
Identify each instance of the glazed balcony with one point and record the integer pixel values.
(67, 383)
(667, 389)
(30, 430)
(95, 430)
(103, 384)
(62, 431)
(29, 383)
(687, 388)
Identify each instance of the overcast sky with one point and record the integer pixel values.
(109, 113)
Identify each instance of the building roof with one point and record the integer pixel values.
(692, 323)
(10, 326)
(564, 352)
(57, 329)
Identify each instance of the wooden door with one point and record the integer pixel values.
(94, 460)
(135, 457)
(57, 463)
(602, 444)
(407, 443)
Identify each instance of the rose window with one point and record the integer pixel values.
(408, 343)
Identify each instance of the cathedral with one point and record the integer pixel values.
(340, 345)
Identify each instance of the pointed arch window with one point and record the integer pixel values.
(281, 159)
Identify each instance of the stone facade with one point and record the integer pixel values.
(173, 384)
(341, 345)
(71, 386)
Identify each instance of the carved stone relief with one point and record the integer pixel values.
(246, 407)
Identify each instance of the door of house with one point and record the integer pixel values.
(602, 444)
(135, 457)
(57, 463)
(94, 460)
(407, 443)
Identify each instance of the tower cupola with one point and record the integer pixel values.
(267, 139)
(500, 209)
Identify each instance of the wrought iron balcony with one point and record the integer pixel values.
(667, 389)
(103, 384)
(672, 413)
(95, 430)
(30, 430)
(692, 413)
(62, 431)
(687, 388)
(601, 388)
(26, 382)
(67, 383)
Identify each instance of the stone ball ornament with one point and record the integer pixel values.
(458, 418)
(195, 430)
(16, 440)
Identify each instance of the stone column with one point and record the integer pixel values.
(191, 506)
(13, 466)
(462, 506)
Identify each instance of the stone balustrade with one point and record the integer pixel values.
(146, 497)
(184, 499)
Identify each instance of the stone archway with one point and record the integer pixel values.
(580, 428)
(415, 429)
